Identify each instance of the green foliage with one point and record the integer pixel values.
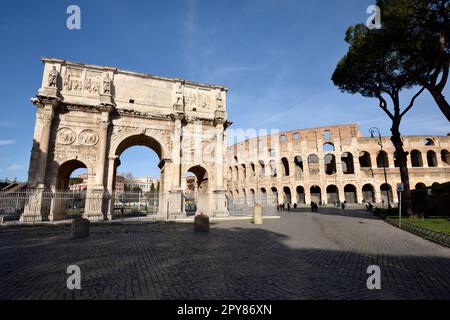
(75, 181)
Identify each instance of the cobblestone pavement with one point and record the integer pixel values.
(303, 255)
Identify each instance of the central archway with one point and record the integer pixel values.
(119, 198)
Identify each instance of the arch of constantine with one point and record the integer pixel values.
(88, 115)
(329, 165)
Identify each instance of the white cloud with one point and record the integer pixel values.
(12, 167)
(7, 142)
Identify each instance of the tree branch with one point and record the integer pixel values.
(440, 86)
(383, 106)
(411, 103)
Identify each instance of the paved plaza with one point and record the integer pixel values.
(302, 255)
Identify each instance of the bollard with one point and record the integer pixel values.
(201, 223)
(79, 228)
(257, 214)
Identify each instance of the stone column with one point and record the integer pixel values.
(307, 194)
(176, 151)
(102, 145)
(175, 192)
(46, 119)
(359, 194)
(36, 207)
(219, 194)
(110, 185)
(96, 203)
(341, 193)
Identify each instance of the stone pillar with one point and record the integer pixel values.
(359, 194)
(46, 119)
(307, 194)
(34, 208)
(377, 194)
(102, 145)
(219, 193)
(93, 205)
(110, 185)
(176, 193)
(341, 193)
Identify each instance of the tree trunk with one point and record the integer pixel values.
(402, 161)
(440, 101)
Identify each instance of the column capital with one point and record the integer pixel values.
(43, 101)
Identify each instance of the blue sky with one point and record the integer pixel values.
(275, 56)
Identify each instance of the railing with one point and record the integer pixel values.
(439, 237)
(244, 205)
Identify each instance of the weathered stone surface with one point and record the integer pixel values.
(329, 165)
(88, 115)
(257, 214)
(201, 223)
(79, 228)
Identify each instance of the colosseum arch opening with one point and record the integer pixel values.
(432, 159)
(347, 163)
(365, 160)
(332, 194)
(300, 195)
(368, 192)
(416, 158)
(382, 160)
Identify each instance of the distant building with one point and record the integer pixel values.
(81, 184)
(144, 183)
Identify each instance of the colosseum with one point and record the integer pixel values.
(328, 165)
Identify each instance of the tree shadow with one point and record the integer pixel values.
(233, 261)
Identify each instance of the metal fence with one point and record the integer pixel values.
(244, 205)
(439, 237)
(66, 205)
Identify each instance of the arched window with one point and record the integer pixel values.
(274, 195)
(298, 166)
(287, 195)
(368, 192)
(273, 168)
(386, 193)
(327, 147)
(364, 160)
(285, 163)
(263, 197)
(432, 159)
(428, 142)
(252, 166)
(262, 171)
(382, 160)
(300, 195)
(313, 164)
(330, 164)
(244, 172)
(445, 157)
(416, 158)
(332, 194)
(347, 163)
(350, 193)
